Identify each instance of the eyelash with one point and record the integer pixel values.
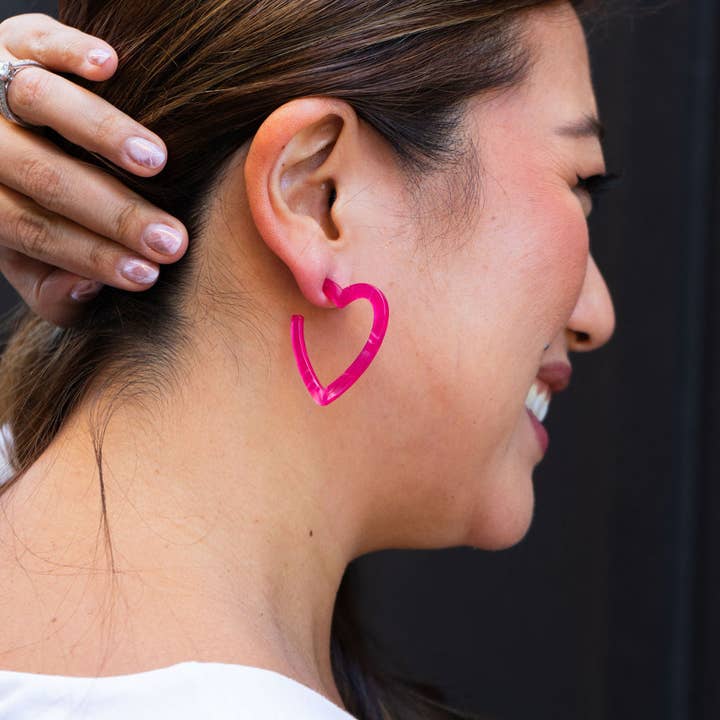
(597, 184)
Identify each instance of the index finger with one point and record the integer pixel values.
(35, 36)
(41, 97)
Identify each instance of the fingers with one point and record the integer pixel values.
(61, 220)
(32, 230)
(37, 169)
(34, 36)
(45, 289)
(43, 98)
(40, 97)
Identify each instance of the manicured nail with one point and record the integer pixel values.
(162, 238)
(144, 152)
(99, 56)
(86, 290)
(139, 271)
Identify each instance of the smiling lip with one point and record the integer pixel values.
(556, 375)
(540, 431)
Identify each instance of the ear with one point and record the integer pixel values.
(294, 177)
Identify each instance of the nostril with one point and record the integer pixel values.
(581, 336)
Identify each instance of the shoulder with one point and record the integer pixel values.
(182, 691)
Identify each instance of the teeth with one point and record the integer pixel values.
(538, 401)
(544, 410)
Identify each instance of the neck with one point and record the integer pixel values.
(231, 527)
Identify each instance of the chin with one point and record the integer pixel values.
(504, 521)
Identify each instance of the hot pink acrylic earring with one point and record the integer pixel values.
(341, 297)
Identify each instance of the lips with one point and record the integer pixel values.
(556, 375)
(540, 432)
(552, 378)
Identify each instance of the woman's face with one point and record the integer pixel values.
(488, 278)
(501, 269)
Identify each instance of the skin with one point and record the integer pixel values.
(236, 504)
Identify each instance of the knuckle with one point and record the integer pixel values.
(127, 219)
(97, 257)
(39, 38)
(68, 52)
(71, 46)
(29, 88)
(41, 181)
(33, 234)
(106, 128)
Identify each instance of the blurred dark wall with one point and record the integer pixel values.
(609, 608)
(15, 7)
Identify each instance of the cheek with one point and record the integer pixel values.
(475, 320)
(467, 331)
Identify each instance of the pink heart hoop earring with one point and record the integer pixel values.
(341, 297)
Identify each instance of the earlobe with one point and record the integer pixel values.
(291, 176)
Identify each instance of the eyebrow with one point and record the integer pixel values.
(586, 126)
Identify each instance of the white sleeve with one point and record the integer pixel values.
(6, 440)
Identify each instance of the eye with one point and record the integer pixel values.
(597, 184)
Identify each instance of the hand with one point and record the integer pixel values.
(63, 221)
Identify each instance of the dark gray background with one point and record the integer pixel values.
(609, 607)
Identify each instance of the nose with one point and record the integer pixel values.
(593, 320)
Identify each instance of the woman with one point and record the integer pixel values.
(436, 156)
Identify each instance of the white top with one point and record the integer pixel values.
(6, 439)
(186, 691)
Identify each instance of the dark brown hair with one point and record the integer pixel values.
(203, 75)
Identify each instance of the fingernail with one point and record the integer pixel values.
(99, 56)
(162, 238)
(144, 152)
(139, 271)
(85, 290)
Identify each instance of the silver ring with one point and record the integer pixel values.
(8, 70)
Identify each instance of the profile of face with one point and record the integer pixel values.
(488, 277)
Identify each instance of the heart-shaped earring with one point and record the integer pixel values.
(341, 297)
